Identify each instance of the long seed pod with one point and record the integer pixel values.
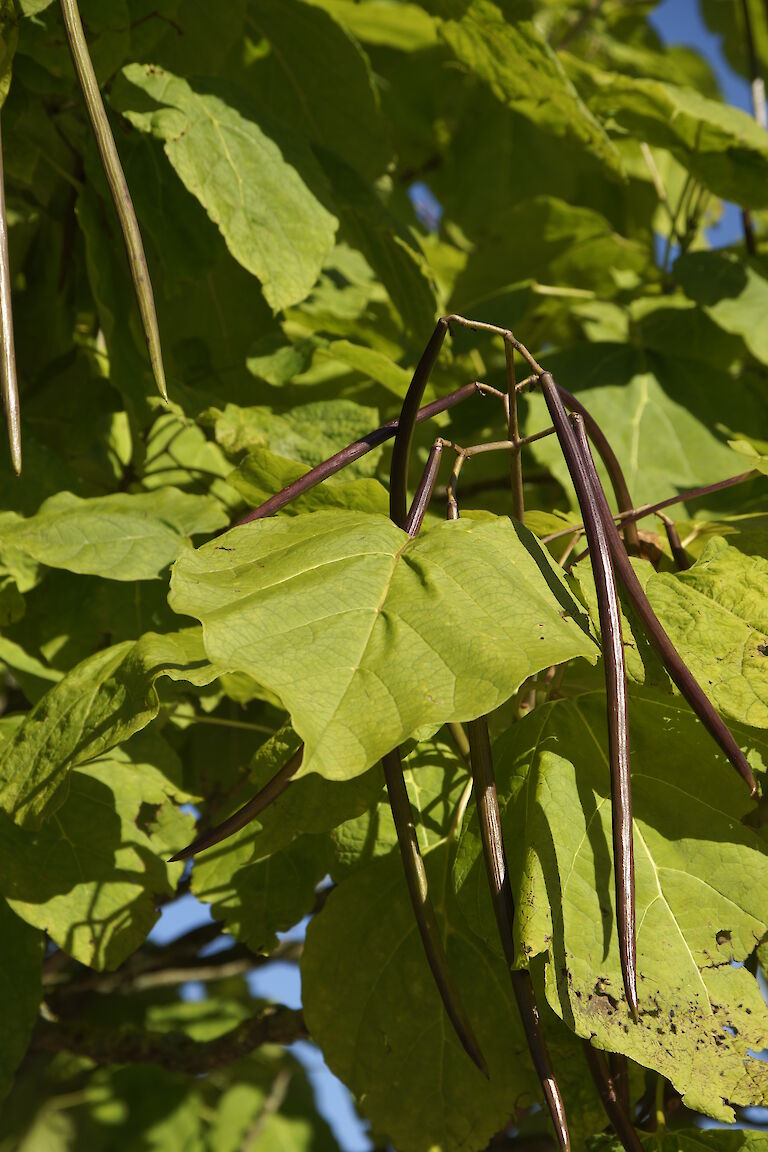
(612, 467)
(413, 864)
(401, 451)
(679, 555)
(10, 385)
(572, 441)
(267, 795)
(121, 197)
(353, 452)
(679, 672)
(489, 819)
(429, 929)
(622, 1125)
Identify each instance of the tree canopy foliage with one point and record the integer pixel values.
(315, 182)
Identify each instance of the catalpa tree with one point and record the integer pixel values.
(384, 544)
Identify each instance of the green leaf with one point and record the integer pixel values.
(379, 22)
(91, 877)
(371, 1004)
(727, 21)
(715, 615)
(699, 875)
(365, 634)
(9, 35)
(342, 113)
(20, 990)
(371, 363)
(99, 704)
(121, 537)
(307, 433)
(722, 147)
(261, 474)
(657, 417)
(524, 73)
(732, 291)
(694, 1140)
(271, 221)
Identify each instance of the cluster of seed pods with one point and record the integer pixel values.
(609, 555)
(129, 227)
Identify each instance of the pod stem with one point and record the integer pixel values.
(575, 447)
(424, 912)
(494, 853)
(267, 795)
(121, 197)
(679, 555)
(10, 387)
(622, 1125)
(678, 671)
(421, 499)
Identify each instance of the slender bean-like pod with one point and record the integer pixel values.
(10, 385)
(429, 929)
(612, 467)
(113, 170)
(648, 509)
(680, 674)
(353, 452)
(489, 819)
(413, 864)
(421, 499)
(679, 555)
(267, 795)
(572, 441)
(401, 451)
(621, 1122)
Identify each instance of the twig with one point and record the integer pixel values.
(10, 386)
(494, 854)
(118, 186)
(172, 1050)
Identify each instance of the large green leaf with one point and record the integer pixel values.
(700, 873)
(271, 221)
(371, 1004)
(523, 72)
(715, 615)
(733, 292)
(92, 875)
(727, 21)
(20, 990)
(694, 1140)
(9, 35)
(365, 634)
(659, 420)
(339, 110)
(96, 706)
(722, 147)
(122, 537)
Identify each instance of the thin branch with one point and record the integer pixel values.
(494, 854)
(267, 795)
(670, 657)
(10, 386)
(575, 447)
(355, 450)
(513, 430)
(118, 186)
(425, 489)
(172, 1050)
